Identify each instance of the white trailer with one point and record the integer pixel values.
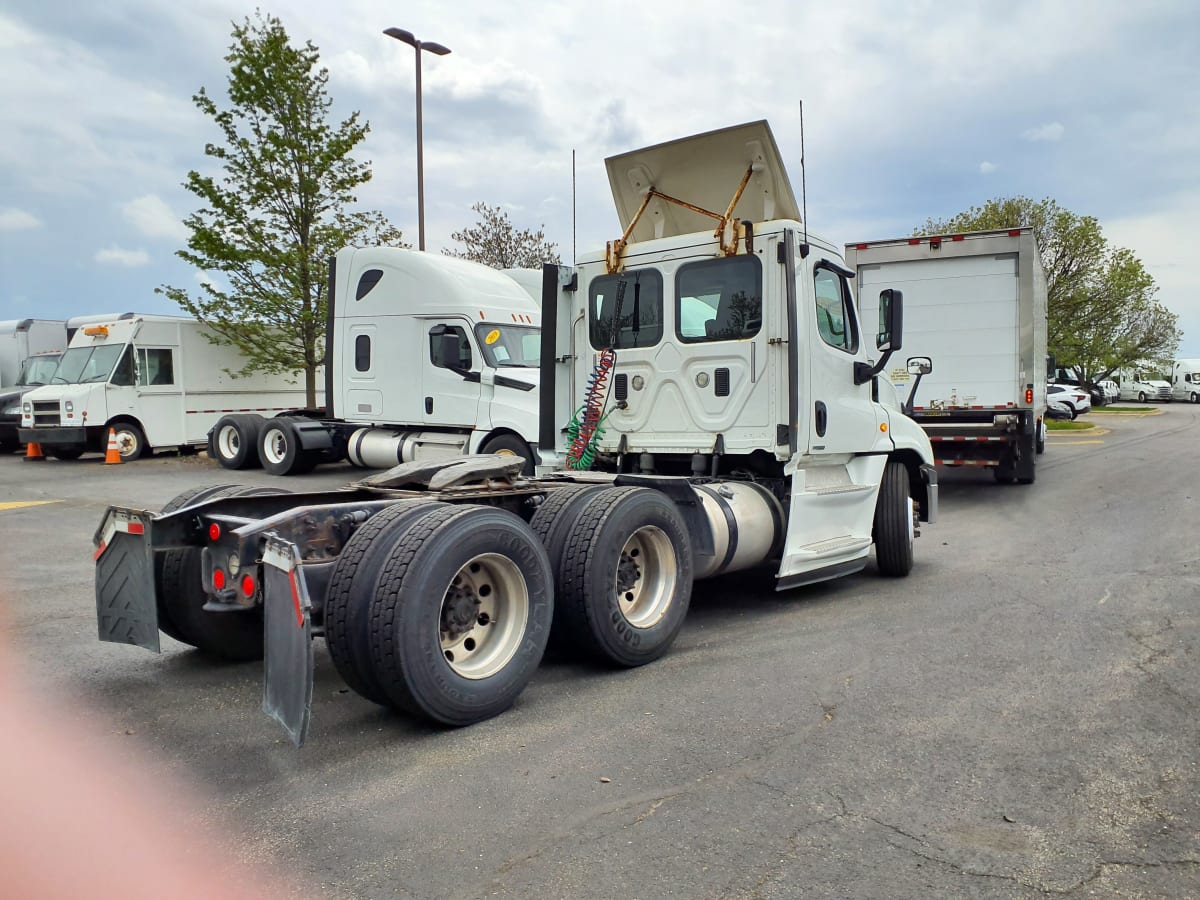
(1143, 383)
(1185, 380)
(157, 381)
(23, 338)
(707, 405)
(975, 305)
(427, 357)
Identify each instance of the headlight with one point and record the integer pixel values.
(27, 407)
(11, 411)
(69, 406)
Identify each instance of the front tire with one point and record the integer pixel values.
(511, 445)
(131, 441)
(1141, 398)
(461, 616)
(66, 451)
(894, 529)
(624, 582)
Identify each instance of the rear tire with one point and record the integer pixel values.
(279, 449)
(1141, 399)
(552, 523)
(234, 441)
(511, 445)
(352, 588)
(234, 636)
(1040, 443)
(461, 615)
(894, 523)
(624, 581)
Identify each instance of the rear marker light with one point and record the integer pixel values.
(135, 528)
(219, 580)
(912, 242)
(214, 532)
(248, 586)
(1016, 232)
(1028, 395)
(860, 246)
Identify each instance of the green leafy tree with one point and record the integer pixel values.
(280, 206)
(1101, 313)
(495, 241)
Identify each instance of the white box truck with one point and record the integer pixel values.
(707, 405)
(1185, 380)
(157, 381)
(427, 356)
(23, 338)
(975, 305)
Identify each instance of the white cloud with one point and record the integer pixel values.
(13, 219)
(1051, 131)
(153, 218)
(116, 256)
(987, 168)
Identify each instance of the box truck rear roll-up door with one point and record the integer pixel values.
(962, 312)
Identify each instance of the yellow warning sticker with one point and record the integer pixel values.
(492, 336)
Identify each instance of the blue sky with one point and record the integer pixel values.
(912, 110)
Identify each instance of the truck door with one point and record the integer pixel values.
(450, 381)
(158, 397)
(842, 416)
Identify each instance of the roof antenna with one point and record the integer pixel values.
(572, 206)
(803, 189)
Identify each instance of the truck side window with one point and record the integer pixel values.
(640, 321)
(435, 347)
(122, 375)
(835, 317)
(362, 353)
(719, 299)
(155, 367)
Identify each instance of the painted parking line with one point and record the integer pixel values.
(1061, 443)
(21, 504)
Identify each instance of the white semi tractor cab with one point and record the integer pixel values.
(427, 357)
(975, 308)
(157, 381)
(1141, 383)
(1185, 380)
(708, 404)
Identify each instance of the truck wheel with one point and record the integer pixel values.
(893, 532)
(131, 442)
(552, 523)
(1141, 399)
(1041, 437)
(461, 615)
(279, 449)
(66, 451)
(234, 441)
(510, 445)
(352, 587)
(234, 636)
(624, 581)
(1195, 398)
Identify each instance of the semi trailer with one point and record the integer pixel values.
(975, 310)
(710, 402)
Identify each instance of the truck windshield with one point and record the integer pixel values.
(506, 346)
(85, 365)
(37, 370)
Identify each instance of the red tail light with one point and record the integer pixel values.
(219, 579)
(214, 532)
(1028, 395)
(248, 586)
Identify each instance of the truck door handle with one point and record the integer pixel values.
(822, 418)
(429, 406)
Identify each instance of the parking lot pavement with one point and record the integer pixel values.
(1015, 718)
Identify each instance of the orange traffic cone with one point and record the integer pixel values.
(33, 450)
(112, 454)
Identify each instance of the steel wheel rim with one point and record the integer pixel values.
(492, 587)
(228, 442)
(127, 443)
(646, 575)
(275, 446)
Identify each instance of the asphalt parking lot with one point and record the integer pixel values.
(1016, 718)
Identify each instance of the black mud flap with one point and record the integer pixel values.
(288, 668)
(125, 609)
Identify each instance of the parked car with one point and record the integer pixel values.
(1056, 409)
(1076, 398)
(1099, 396)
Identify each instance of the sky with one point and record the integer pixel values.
(911, 110)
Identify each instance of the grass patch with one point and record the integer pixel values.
(1064, 425)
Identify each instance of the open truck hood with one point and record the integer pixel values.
(703, 170)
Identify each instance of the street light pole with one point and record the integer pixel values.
(407, 37)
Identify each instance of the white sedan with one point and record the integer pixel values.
(1076, 399)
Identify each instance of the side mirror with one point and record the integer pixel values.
(891, 320)
(919, 365)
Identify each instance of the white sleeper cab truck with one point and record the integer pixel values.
(1142, 383)
(156, 381)
(975, 315)
(708, 405)
(1185, 380)
(427, 357)
(23, 338)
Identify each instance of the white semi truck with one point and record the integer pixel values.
(1142, 382)
(1185, 380)
(708, 405)
(157, 381)
(975, 307)
(427, 357)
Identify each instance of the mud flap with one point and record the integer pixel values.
(126, 612)
(288, 666)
